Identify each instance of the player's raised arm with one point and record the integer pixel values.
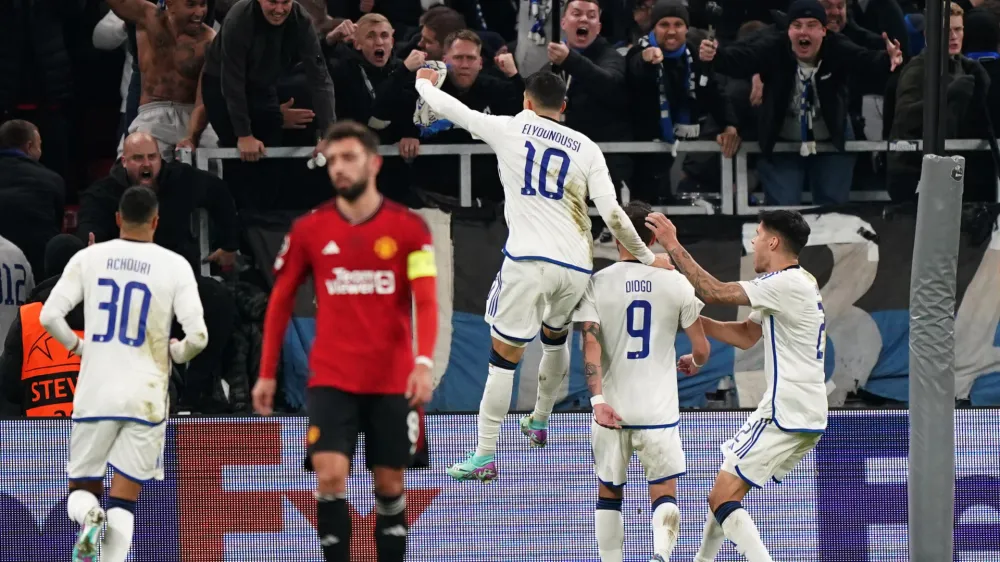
(691, 323)
(602, 193)
(486, 127)
(67, 293)
(421, 270)
(191, 317)
(743, 335)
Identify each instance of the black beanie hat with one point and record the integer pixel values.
(806, 9)
(669, 9)
(58, 252)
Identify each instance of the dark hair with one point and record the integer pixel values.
(348, 129)
(637, 211)
(444, 22)
(546, 88)
(138, 205)
(463, 35)
(750, 28)
(789, 225)
(16, 133)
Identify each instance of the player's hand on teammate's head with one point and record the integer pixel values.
(606, 416)
(427, 74)
(666, 232)
(420, 386)
(263, 396)
(686, 365)
(415, 60)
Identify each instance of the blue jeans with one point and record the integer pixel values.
(828, 175)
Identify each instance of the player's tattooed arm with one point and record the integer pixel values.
(708, 288)
(592, 356)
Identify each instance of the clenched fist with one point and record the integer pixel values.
(505, 62)
(706, 52)
(415, 60)
(652, 55)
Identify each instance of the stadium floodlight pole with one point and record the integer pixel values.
(931, 474)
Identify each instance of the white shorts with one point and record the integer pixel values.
(167, 122)
(134, 450)
(760, 451)
(529, 294)
(659, 451)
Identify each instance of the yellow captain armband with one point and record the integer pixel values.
(421, 264)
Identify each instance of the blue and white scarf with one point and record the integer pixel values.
(676, 124)
(807, 110)
(427, 121)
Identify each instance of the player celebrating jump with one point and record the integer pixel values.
(547, 171)
(131, 290)
(630, 316)
(370, 260)
(791, 417)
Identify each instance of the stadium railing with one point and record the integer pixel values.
(735, 186)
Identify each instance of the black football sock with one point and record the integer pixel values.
(390, 528)
(333, 524)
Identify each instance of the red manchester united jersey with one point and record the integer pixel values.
(362, 274)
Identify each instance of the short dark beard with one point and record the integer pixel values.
(352, 193)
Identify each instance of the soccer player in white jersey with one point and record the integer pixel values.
(790, 419)
(548, 171)
(630, 315)
(131, 291)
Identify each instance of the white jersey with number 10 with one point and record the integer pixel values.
(548, 172)
(131, 292)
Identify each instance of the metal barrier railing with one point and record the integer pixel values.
(734, 170)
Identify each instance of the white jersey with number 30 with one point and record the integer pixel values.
(640, 309)
(788, 306)
(131, 292)
(548, 172)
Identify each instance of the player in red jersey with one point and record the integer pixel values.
(370, 260)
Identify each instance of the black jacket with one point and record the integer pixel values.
(36, 65)
(31, 206)
(597, 102)
(13, 352)
(349, 70)
(770, 55)
(249, 56)
(645, 92)
(181, 190)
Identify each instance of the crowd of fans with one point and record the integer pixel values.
(257, 74)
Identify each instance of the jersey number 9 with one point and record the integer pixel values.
(543, 172)
(645, 313)
(111, 306)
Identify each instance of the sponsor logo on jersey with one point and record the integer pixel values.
(361, 282)
(385, 247)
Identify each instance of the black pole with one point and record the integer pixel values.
(556, 19)
(934, 58)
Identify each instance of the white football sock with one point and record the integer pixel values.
(118, 536)
(666, 527)
(552, 369)
(711, 540)
(609, 526)
(740, 529)
(493, 407)
(79, 503)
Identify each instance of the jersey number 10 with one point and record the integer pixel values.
(543, 172)
(111, 306)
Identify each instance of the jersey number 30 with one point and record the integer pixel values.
(543, 172)
(644, 311)
(122, 322)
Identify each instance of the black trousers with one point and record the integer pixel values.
(205, 371)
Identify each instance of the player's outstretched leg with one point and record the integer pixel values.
(493, 407)
(552, 369)
(333, 518)
(609, 525)
(84, 508)
(724, 499)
